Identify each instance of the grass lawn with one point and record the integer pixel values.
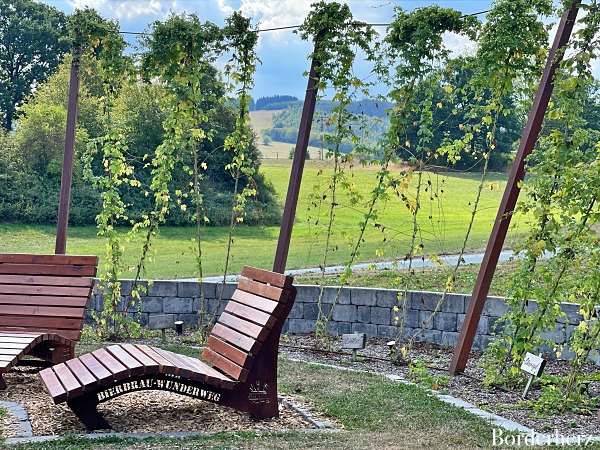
(374, 412)
(443, 226)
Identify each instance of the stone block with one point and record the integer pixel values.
(572, 316)
(178, 305)
(482, 328)
(307, 294)
(227, 289)
(210, 289)
(344, 313)
(387, 298)
(310, 311)
(444, 321)
(387, 331)
(367, 328)
(380, 316)
(363, 296)
(426, 321)
(449, 339)
(426, 301)
(161, 321)
(363, 314)
(495, 307)
(454, 303)
(301, 326)
(152, 304)
(431, 336)
(558, 335)
(163, 289)
(188, 289)
(297, 311)
(141, 318)
(189, 320)
(339, 328)
(411, 319)
(482, 341)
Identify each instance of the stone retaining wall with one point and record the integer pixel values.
(366, 310)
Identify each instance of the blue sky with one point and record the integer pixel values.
(283, 53)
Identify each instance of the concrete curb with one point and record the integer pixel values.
(20, 413)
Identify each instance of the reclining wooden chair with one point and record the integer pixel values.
(238, 366)
(42, 306)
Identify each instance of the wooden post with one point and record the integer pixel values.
(511, 193)
(291, 201)
(67, 169)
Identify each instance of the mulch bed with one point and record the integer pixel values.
(468, 387)
(146, 411)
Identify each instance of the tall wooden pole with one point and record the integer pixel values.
(511, 193)
(291, 201)
(67, 169)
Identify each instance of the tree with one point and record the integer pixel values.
(33, 40)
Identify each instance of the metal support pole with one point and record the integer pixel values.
(67, 169)
(511, 193)
(291, 201)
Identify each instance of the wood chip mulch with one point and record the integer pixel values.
(145, 411)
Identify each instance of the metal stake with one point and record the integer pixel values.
(291, 201)
(67, 169)
(511, 193)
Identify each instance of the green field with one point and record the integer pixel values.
(172, 258)
(262, 120)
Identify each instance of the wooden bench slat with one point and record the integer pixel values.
(229, 351)
(10, 351)
(265, 276)
(44, 290)
(27, 258)
(94, 366)
(47, 311)
(53, 385)
(211, 375)
(263, 290)
(71, 335)
(163, 363)
(235, 338)
(54, 323)
(41, 280)
(249, 313)
(60, 270)
(22, 336)
(18, 345)
(149, 364)
(68, 380)
(225, 365)
(181, 368)
(118, 370)
(243, 326)
(13, 299)
(135, 367)
(83, 375)
(254, 301)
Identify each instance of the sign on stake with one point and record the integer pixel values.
(534, 366)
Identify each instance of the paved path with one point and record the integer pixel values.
(470, 258)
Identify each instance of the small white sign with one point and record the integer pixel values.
(533, 364)
(354, 341)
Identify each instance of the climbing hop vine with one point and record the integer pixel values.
(180, 54)
(411, 52)
(336, 37)
(560, 202)
(242, 40)
(105, 161)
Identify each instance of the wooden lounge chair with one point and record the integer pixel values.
(238, 366)
(42, 306)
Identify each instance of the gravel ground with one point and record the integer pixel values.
(467, 387)
(146, 411)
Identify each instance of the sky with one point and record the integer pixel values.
(283, 53)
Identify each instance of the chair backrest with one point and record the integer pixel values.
(258, 308)
(45, 292)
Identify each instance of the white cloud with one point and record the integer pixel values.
(127, 9)
(459, 45)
